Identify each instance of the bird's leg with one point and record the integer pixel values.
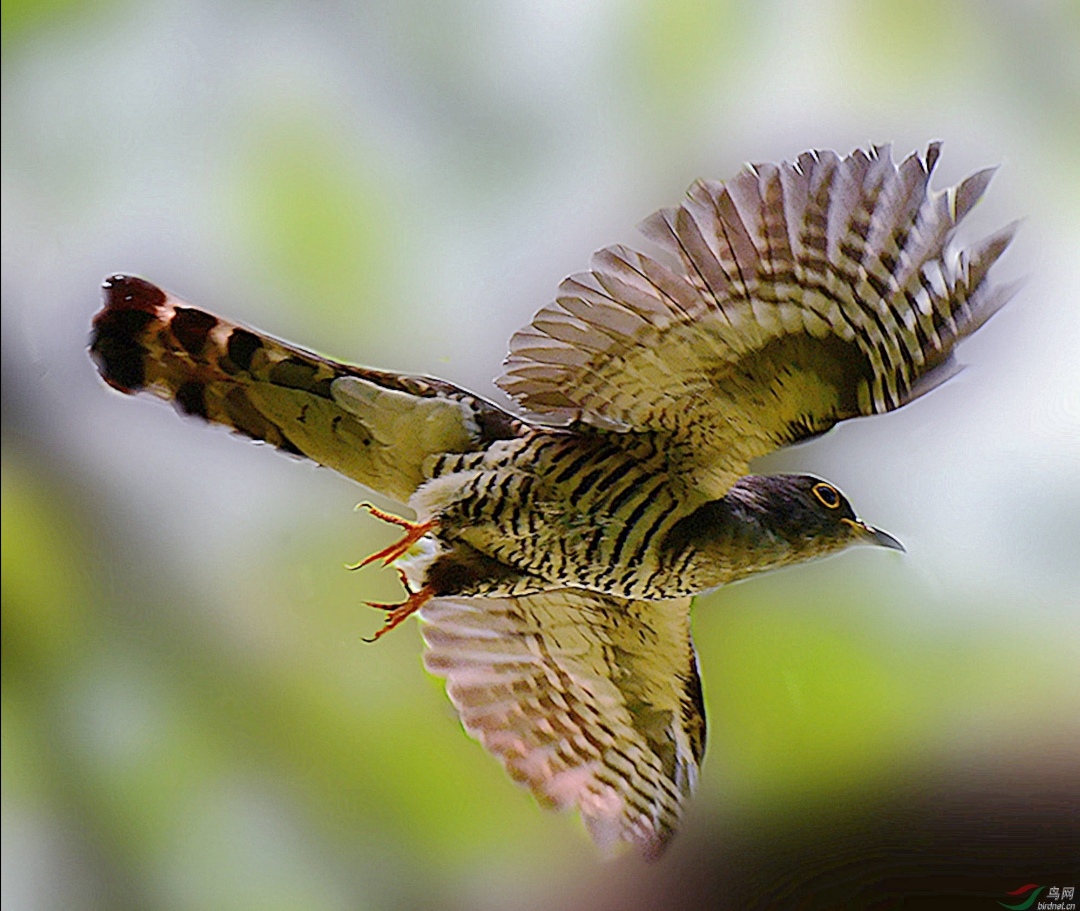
(414, 531)
(398, 612)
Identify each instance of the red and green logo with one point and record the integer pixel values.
(1035, 890)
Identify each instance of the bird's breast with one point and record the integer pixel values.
(584, 511)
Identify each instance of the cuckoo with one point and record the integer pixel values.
(555, 551)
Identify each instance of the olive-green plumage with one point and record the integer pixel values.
(555, 554)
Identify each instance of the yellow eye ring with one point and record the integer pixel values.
(827, 495)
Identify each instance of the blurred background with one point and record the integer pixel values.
(190, 720)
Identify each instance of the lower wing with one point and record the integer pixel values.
(592, 702)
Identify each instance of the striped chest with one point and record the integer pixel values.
(588, 510)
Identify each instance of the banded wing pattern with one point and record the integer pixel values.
(808, 292)
(591, 701)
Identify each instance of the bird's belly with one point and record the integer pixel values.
(605, 546)
(582, 511)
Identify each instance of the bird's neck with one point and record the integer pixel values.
(735, 536)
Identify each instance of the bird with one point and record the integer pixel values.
(557, 546)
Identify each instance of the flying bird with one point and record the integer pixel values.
(556, 551)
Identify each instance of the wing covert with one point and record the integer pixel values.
(592, 702)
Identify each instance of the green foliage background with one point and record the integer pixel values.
(189, 718)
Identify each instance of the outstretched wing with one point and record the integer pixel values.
(375, 427)
(809, 292)
(592, 702)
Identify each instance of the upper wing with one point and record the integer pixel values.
(592, 702)
(809, 292)
(375, 427)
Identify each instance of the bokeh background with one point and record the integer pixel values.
(190, 720)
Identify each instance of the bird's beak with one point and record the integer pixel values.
(872, 535)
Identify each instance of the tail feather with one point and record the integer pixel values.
(373, 426)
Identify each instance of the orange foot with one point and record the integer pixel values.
(414, 531)
(398, 612)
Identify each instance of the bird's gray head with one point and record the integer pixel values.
(767, 521)
(809, 514)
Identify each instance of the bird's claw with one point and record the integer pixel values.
(414, 531)
(396, 613)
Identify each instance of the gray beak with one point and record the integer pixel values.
(883, 538)
(872, 535)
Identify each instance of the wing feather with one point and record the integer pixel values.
(806, 293)
(592, 702)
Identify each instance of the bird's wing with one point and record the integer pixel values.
(593, 702)
(808, 292)
(375, 427)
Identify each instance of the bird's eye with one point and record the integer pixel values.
(827, 495)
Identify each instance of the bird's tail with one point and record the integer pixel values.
(373, 426)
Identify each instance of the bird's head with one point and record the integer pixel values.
(807, 514)
(764, 522)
